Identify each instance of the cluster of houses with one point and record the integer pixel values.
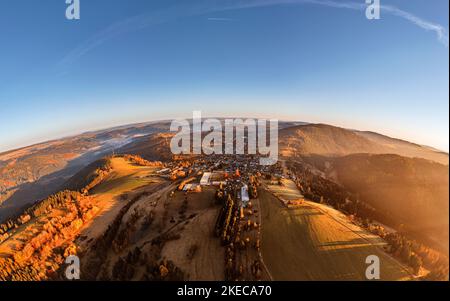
(218, 170)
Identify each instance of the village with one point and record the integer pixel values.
(235, 181)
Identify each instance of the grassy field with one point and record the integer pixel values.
(287, 192)
(125, 177)
(315, 242)
(207, 263)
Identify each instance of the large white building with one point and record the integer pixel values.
(205, 178)
(244, 195)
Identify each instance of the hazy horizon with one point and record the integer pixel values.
(106, 128)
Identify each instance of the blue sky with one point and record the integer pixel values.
(129, 61)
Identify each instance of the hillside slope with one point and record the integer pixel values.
(154, 147)
(327, 140)
(315, 242)
(46, 233)
(324, 140)
(405, 148)
(412, 191)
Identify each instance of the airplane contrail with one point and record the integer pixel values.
(220, 19)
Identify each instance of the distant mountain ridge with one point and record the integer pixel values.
(406, 148)
(327, 140)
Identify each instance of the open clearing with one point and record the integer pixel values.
(316, 242)
(125, 177)
(198, 252)
(287, 192)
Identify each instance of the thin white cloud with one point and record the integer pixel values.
(440, 31)
(213, 6)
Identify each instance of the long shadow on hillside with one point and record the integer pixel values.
(293, 247)
(29, 193)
